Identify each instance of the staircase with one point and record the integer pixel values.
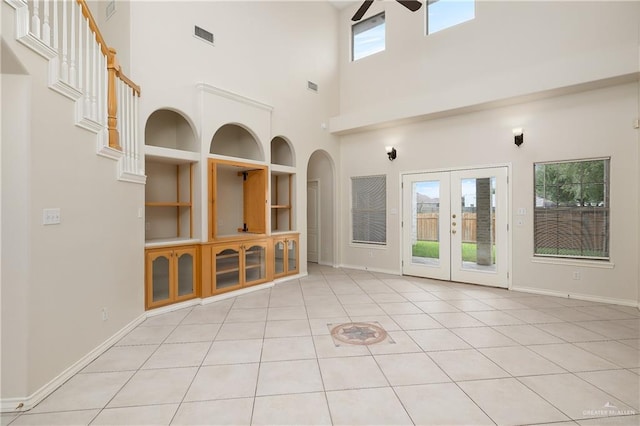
(84, 69)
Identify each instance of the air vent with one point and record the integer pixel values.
(203, 34)
(312, 86)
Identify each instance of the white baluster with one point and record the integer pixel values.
(82, 70)
(54, 4)
(64, 66)
(35, 19)
(105, 89)
(46, 28)
(72, 50)
(136, 142)
(82, 34)
(94, 75)
(129, 139)
(87, 70)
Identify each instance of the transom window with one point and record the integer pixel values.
(443, 14)
(571, 209)
(369, 209)
(368, 37)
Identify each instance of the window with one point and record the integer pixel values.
(367, 37)
(571, 209)
(443, 14)
(369, 209)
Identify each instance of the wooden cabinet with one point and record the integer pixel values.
(233, 265)
(170, 275)
(285, 255)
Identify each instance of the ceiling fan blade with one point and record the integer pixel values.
(412, 5)
(362, 10)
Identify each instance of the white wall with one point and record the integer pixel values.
(15, 231)
(92, 259)
(511, 48)
(596, 123)
(264, 51)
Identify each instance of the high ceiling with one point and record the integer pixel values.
(341, 4)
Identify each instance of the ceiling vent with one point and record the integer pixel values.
(203, 34)
(312, 86)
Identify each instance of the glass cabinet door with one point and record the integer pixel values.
(292, 255)
(279, 258)
(255, 263)
(186, 281)
(160, 277)
(228, 268)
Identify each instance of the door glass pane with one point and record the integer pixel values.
(279, 257)
(255, 264)
(478, 224)
(227, 268)
(425, 212)
(291, 256)
(185, 274)
(160, 272)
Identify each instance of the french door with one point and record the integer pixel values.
(455, 225)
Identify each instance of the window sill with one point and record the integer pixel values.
(586, 263)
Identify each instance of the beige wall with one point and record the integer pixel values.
(450, 100)
(511, 48)
(594, 123)
(264, 52)
(68, 272)
(15, 231)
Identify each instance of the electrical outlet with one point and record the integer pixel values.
(576, 275)
(105, 314)
(51, 216)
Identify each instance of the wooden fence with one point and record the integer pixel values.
(427, 227)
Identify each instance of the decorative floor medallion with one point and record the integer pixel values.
(358, 333)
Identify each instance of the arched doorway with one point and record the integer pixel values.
(321, 199)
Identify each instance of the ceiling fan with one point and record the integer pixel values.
(412, 5)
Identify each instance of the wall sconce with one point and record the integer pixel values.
(518, 136)
(391, 152)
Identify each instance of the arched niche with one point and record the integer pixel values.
(233, 140)
(169, 129)
(282, 152)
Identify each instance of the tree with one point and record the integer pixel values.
(576, 183)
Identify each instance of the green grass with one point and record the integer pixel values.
(431, 249)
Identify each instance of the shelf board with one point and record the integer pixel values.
(170, 155)
(167, 204)
(227, 270)
(281, 206)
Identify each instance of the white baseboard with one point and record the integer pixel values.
(366, 268)
(229, 295)
(8, 405)
(578, 296)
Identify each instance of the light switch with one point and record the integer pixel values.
(51, 216)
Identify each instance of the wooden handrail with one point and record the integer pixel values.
(106, 51)
(113, 71)
(94, 27)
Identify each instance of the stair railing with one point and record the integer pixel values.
(83, 68)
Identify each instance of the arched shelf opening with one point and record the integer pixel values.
(169, 129)
(234, 140)
(282, 152)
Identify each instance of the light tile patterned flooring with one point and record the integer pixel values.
(462, 354)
